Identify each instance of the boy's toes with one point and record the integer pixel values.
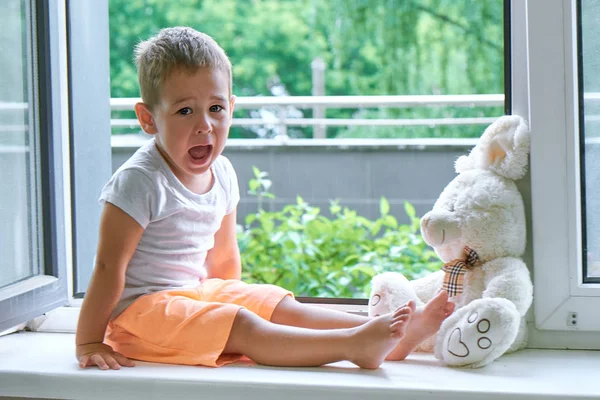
(402, 311)
(401, 317)
(399, 325)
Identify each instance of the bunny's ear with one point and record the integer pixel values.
(503, 148)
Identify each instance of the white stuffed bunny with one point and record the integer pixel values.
(477, 227)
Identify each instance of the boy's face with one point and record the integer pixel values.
(192, 119)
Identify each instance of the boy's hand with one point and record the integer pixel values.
(101, 355)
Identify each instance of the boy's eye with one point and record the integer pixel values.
(216, 108)
(185, 111)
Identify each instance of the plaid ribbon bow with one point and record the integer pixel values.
(455, 271)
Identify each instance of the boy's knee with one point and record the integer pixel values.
(239, 334)
(246, 326)
(245, 322)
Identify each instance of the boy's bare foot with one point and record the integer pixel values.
(424, 323)
(375, 339)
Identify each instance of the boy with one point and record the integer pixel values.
(166, 282)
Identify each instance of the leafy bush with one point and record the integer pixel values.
(310, 254)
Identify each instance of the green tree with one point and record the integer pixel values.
(370, 47)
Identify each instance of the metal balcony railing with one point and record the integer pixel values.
(282, 116)
(281, 107)
(280, 110)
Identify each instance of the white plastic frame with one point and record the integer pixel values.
(544, 38)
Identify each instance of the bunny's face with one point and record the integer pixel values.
(479, 209)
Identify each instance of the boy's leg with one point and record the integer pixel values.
(424, 322)
(279, 345)
(276, 305)
(180, 327)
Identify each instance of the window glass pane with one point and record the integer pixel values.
(18, 232)
(283, 48)
(590, 67)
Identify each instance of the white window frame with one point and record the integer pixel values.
(546, 94)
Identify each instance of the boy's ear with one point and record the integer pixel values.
(231, 105)
(145, 118)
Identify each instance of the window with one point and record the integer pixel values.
(547, 82)
(562, 171)
(32, 234)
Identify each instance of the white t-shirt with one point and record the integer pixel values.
(179, 225)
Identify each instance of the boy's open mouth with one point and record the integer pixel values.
(200, 152)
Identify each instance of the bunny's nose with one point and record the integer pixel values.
(437, 231)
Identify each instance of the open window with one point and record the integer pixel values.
(34, 189)
(558, 97)
(551, 83)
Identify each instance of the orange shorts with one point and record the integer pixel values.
(189, 326)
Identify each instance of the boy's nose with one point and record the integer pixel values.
(203, 126)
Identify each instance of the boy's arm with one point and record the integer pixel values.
(223, 260)
(119, 236)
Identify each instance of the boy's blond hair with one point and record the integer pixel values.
(171, 48)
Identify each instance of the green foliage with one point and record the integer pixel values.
(387, 47)
(311, 254)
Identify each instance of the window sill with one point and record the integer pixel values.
(42, 365)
